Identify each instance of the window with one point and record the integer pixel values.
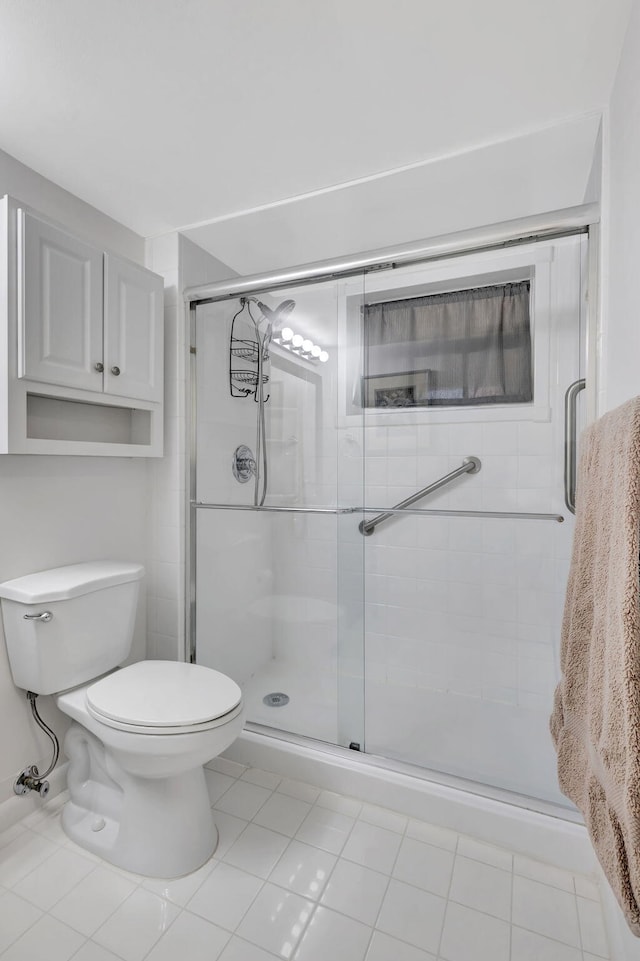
(462, 348)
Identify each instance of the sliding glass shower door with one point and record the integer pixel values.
(421, 631)
(466, 364)
(279, 561)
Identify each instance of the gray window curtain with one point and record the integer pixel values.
(469, 346)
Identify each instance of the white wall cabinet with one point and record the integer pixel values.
(133, 327)
(81, 344)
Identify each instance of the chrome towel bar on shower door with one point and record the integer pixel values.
(470, 465)
(417, 512)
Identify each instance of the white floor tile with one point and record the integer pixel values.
(545, 910)
(337, 802)
(471, 936)
(16, 830)
(92, 902)
(383, 818)
(225, 896)
(331, 935)
(190, 937)
(303, 869)
(179, 890)
(527, 946)
(275, 921)
(412, 915)
(586, 888)
(283, 814)
(54, 878)
(16, 917)
(385, 948)
(545, 873)
(22, 855)
(262, 778)
(90, 951)
(225, 766)
(46, 938)
(356, 891)
(373, 847)
(432, 834)
(299, 790)
(243, 799)
(257, 850)
(229, 829)
(482, 887)
(51, 827)
(592, 930)
(488, 853)
(217, 784)
(325, 829)
(240, 950)
(263, 896)
(136, 925)
(424, 865)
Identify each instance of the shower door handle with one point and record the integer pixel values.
(570, 442)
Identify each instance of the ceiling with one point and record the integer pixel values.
(165, 113)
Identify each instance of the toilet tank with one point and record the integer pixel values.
(90, 630)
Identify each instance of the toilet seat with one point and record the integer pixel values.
(164, 697)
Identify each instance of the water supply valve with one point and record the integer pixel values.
(30, 780)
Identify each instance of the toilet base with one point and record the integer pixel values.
(157, 827)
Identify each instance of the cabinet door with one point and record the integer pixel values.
(61, 314)
(133, 330)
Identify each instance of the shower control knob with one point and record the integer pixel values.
(115, 371)
(43, 789)
(99, 367)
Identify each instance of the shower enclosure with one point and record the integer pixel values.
(422, 630)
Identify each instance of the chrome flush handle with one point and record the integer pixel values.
(45, 616)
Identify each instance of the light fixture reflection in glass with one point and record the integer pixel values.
(300, 345)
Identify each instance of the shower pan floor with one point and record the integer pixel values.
(312, 709)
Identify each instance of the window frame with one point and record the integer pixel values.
(532, 262)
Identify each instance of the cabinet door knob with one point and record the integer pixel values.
(115, 371)
(99, 367)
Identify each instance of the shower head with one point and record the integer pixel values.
(276, 314)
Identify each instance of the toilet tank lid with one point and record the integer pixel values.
(63, 583)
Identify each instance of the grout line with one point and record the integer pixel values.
(513, 876)
(448, 901)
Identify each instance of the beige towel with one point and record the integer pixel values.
(596, 717)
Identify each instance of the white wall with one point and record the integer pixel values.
(182, 264)
(31, 188)
(541, 170)
(61, 510)
(621, 313)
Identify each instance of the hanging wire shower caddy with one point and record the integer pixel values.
(244, 381)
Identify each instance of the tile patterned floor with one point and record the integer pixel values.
(300, 873)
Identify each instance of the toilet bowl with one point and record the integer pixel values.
(137, 791)
(140, 734)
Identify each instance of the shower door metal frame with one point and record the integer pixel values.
(556, 224)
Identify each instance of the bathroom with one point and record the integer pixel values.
(577, 144)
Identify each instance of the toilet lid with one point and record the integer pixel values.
(162, 694)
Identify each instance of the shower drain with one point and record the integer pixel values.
(275, 700)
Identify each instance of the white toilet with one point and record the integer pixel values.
(138, 796)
